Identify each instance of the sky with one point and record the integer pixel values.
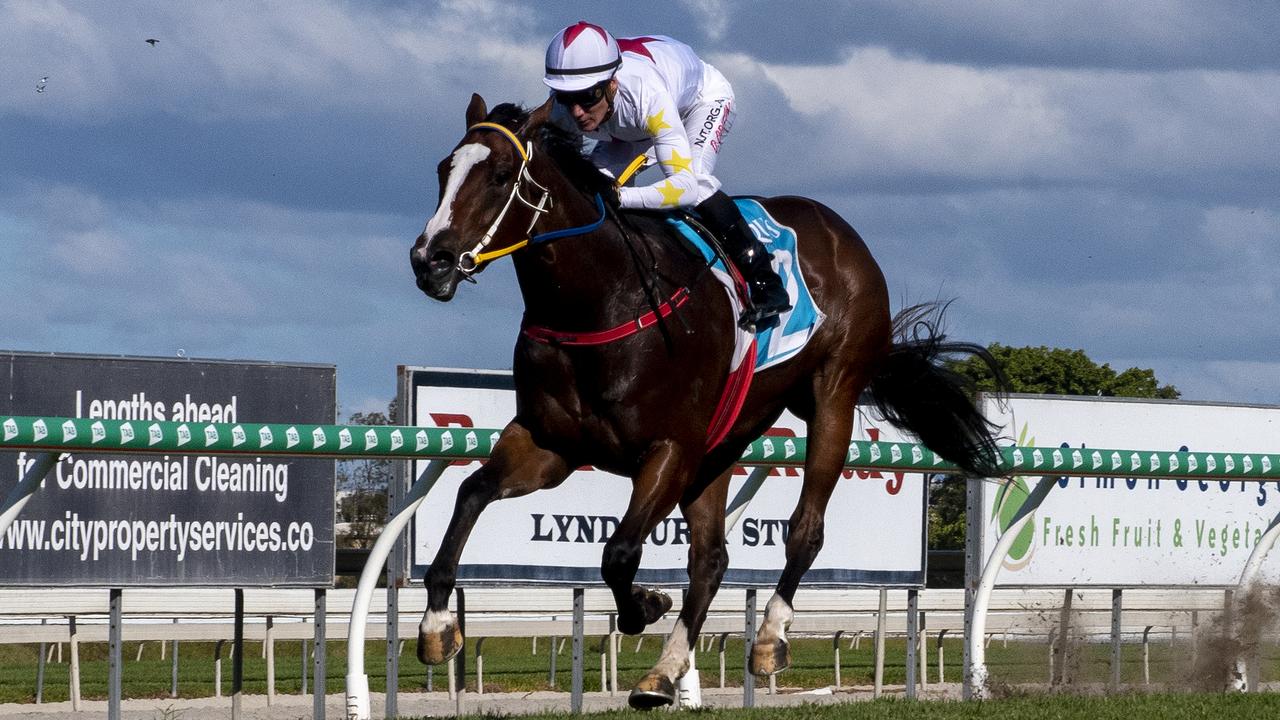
(1083, 174)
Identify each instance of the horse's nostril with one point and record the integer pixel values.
(441, 262)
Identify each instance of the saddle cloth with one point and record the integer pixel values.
(795, 326)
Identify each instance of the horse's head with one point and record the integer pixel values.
(488, 200)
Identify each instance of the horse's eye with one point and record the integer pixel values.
(502, 175)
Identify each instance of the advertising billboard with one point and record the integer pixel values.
(1118, 532)
(875, 524)
(118, 519)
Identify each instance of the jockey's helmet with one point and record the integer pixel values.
(580, 56)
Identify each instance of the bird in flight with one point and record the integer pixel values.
(152, 42)
(40, 85)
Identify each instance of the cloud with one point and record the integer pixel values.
(881, 115)
(236, 61)
(1154, 34)
(711, 17)
(239, 279)
(91, 253)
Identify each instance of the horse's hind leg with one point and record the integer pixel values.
(829, 430)
(517, 466)
(708, 558)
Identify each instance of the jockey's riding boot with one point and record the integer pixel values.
(769, 298)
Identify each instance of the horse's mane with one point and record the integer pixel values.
(562, 146)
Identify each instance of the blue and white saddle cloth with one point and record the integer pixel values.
(795, 326)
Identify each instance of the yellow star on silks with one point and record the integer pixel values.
(670, 194)
(656, 123)
(678, 163)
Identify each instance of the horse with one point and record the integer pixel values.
(641, 405)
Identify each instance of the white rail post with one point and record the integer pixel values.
(724, 638)
(604, 664)
(357, 680)
(835, 650)
(739, 503)
(40, 668)
(173, 670)
(1247, 578)
(73, 650)
(976, 673)
(942, 670)
(1064, 635)
(269, 649)
(217, 668)
(26, 487)
(1053, 653)
(1146, 656)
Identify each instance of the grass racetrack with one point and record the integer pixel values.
(1019, 675)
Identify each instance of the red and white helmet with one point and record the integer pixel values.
(580, 56)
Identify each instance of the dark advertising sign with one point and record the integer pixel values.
(115, 519)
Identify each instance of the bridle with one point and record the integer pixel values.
(470, 261)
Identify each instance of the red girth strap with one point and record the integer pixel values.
(731, 398)
(546, 335)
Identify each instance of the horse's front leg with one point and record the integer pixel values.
(517, 466)
(655, 490)
(708, 559)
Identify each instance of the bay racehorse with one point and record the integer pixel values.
(641, 405)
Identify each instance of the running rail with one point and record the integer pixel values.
(53, 435)
(66, 435)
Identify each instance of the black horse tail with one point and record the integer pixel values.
(917, 392)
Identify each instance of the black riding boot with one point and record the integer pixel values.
(768, 298)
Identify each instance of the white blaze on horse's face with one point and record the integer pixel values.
(464, 159)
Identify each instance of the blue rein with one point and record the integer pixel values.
(569, 232)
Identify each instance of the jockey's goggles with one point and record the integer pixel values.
(585, 99)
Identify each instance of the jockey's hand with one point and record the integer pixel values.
(611, 197)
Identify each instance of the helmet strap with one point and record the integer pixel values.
(609, 94)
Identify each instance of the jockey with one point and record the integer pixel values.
(653, 95)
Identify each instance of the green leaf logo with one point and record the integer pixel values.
(1009, 499)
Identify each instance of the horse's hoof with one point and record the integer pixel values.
(770, 658)
(652, 691)
(653, 603)
(439, 647)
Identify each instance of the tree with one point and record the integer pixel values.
(1055, 371)
(362, 490)
(1037, 370)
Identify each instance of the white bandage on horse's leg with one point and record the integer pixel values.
(674, 660)
(777, 618)
(436, 621)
